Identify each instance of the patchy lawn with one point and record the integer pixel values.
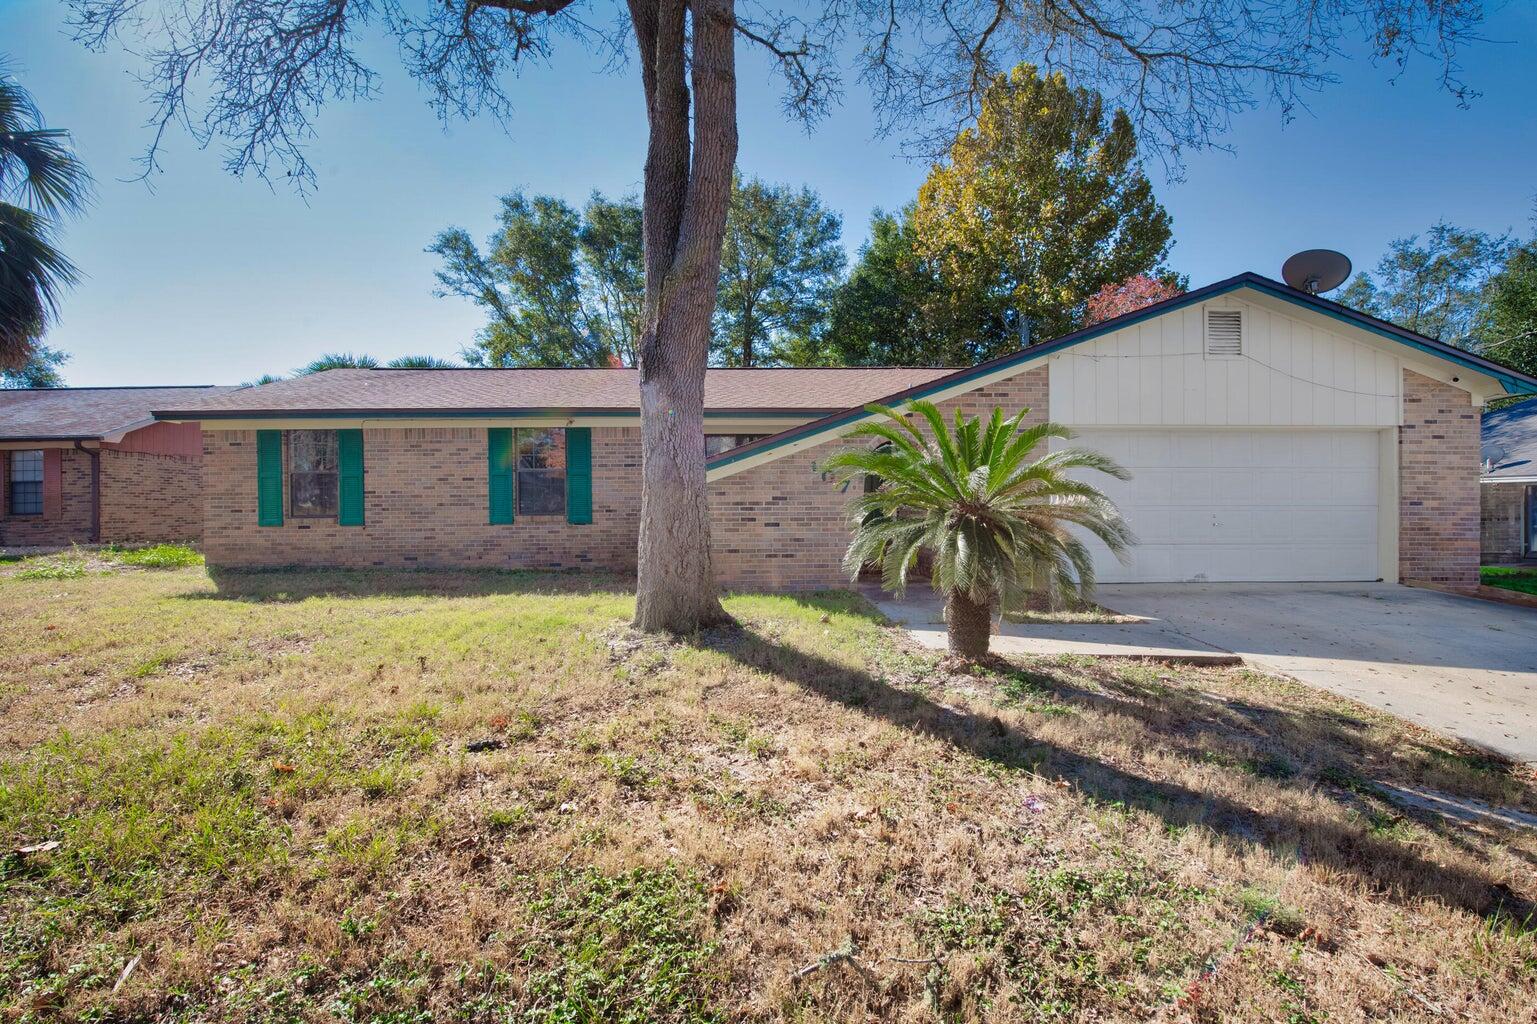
(1522, 580)
(421, 797)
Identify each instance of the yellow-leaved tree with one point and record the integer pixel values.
(1039, 205)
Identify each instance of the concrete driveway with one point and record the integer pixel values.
(1460, 666)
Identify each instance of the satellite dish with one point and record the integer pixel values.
(1494, 455)
(1316, 270)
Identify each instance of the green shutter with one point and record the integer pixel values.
(269, 478)
(499, 458)
(578, 474)
(349, 459)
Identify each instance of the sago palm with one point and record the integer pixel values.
(40, 180)
(997, 522)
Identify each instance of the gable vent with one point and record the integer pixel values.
(1224, 333)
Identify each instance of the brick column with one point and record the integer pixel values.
(1438, 504)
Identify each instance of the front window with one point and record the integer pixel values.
(541, 472)
(312, 473)
(714, 444)
(26, 483)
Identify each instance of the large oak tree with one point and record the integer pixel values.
(250, 74)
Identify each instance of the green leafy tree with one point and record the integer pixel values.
(1508, 322)
(41, 370)
(780, 262)
(41, 180)
(997, 523)
(337, 361)
(560, 287)
(1040, 205)
(421, 363)
(881, 315)
(1433, 285)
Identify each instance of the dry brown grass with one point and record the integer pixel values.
(262, 787)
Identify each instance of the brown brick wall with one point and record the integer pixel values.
(72, 524)
(147, 499)
(424, 505)
(1438, 530)
(1503, 522)
(781, 525)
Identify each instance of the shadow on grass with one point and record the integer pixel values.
(1390, 868)
(291, 585)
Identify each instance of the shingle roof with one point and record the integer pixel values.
(51, 414)
(1510, 442)
(809, 390)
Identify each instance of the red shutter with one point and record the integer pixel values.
(53, 482)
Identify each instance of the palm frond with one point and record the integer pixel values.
(998, 515)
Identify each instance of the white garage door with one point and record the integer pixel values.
(1243, 505)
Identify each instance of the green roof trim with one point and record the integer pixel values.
(1513, 381)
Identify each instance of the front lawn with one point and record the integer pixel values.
(397, 797)
(1522, 580)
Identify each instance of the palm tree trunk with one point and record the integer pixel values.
(971, 626)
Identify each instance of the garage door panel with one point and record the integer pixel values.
(1243, 505)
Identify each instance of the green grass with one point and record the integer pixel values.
(155, 556)
(1522, 581)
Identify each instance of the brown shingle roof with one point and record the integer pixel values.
(51, 414)
(809, 390)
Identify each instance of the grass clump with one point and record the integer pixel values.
(155, 556)
(1056, 944)
(625, 948)
(1523, 581)
(61, 568)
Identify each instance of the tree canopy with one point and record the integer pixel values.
(780, 262)
(1040, 205)
(560, 287)
(1432, 284)
(41, 370)
(1132, 294)
(1508, 322)
(41, 181)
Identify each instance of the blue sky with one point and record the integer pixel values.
(199, 277)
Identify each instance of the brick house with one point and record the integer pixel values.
(1509, 484)
(89, 465)
(1271, 434)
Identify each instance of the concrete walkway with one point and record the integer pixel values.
(923, 613)
(1463, 667)
(1460, 666)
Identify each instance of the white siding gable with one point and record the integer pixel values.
(1290, 373)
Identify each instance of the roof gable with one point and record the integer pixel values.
(1513, 381)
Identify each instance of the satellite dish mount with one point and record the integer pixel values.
(1316, 270)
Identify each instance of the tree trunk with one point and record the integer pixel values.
(687, 190)
(971, 626)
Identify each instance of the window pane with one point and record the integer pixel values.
(542, 449)
(26, 498)
(27, 466)
(714, 444)
(312, 472)
(312, 451)
(541, 472)
(314, 494)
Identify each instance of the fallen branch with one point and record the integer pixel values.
(847, 953)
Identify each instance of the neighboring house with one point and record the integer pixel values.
(87, 465)
(1272, 435)
(1510, 483)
